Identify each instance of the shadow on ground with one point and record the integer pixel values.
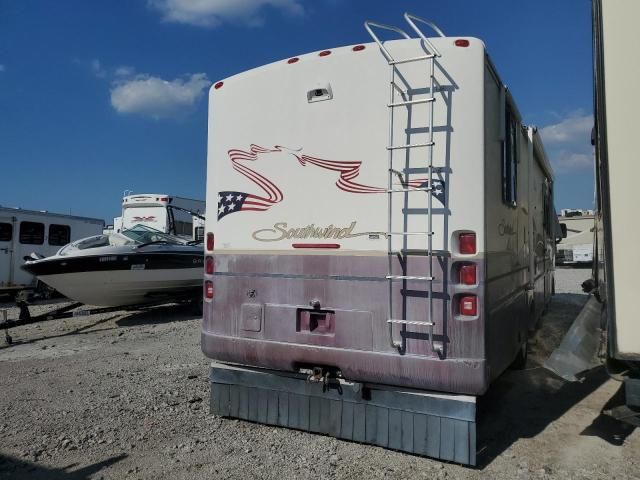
(160, 315)
(521, 404)
(17, 469)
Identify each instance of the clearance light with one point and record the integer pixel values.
(208, 289)
(210, 241)
(461, 42)
(164, 199)
(218, 85)
(293, 60)
(468, 274)
(467, 243)
(358, 48)
(469, 306)
(208, 266)
(324, 53)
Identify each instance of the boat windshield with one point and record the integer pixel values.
(144, 234)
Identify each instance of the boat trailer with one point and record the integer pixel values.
(69, 311)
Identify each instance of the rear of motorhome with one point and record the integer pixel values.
(23, 232)
(384, 218)
(163, 212)
(617, 263)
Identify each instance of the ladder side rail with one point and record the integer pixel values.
(394, 344)
(430, 202)
(368, 25)
(410, 20)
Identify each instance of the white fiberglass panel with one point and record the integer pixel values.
(298, 152)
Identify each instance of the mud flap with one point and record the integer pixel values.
(425, 423)
(578, 350)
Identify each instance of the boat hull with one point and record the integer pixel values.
(121, 280)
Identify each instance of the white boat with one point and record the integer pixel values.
(140, 265)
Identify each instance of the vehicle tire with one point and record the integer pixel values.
(520, 362)
(197, 306)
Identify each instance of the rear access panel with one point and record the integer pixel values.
(424, 423)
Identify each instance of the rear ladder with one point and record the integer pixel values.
(404, 175)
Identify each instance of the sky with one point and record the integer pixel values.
(99, 97)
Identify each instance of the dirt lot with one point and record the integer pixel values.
(125, 396)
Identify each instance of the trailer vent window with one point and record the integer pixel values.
(6, 232)
(59, 234)
(31, 233)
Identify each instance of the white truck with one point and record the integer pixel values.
(23, 232)
(163, 212)
(384, 240)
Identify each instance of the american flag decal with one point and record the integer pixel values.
(232, 201)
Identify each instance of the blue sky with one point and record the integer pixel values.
(101, 96)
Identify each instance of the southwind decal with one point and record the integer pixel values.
(281, 231)
(231, 201)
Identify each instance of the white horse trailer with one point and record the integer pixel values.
(385, 222)
(156, 211)
(23, 232)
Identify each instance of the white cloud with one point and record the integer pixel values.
(97, 68)
(157, 98)
(568, 143)
(576, 127)
(124, 71)
(211, 13)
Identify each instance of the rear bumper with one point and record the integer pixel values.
(465, 376)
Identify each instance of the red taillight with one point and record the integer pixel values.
(218, 85)
(358, 48)
(469, 306)
(468, 274)
(210, 241)
(461, 42)
(164, 199)
(324, 53)
(467, 243)
(208, 265)
(293, 60)
(208, 289)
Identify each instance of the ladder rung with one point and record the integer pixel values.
(423, 211)
(410, 277)
(411, 102)
(408, 233)
(406, 190)
(411, 145)
(422, 170)
(412, 59)
(420, 251)
(410, 322)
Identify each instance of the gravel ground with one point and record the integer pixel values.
(124, 395)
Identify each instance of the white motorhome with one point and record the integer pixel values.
(577, 246)
(384, 218)
(23, 232)
(617, 263)
(157, 211)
